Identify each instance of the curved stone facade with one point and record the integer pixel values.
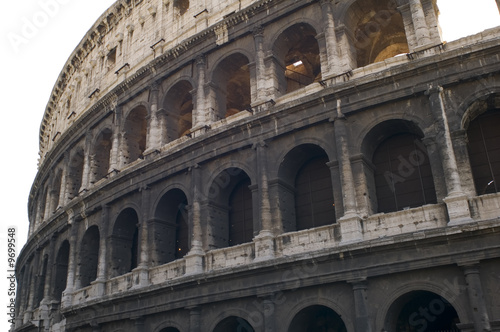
(269, 165)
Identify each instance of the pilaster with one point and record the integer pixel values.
(362, 322)
(332, 53)
(477, 304)
(194, 258)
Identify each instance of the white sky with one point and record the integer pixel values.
(31, 69)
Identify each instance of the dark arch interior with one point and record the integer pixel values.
(75, 173)
(171, 229)
(298, 50)
(89, 256)
(135, 134)
(422, 311)
(179, 106)
(233, 324)
(169, 329)
(484, 151)
(124, 243)
(317, 318)
(102, 152)
(240, 214)
(61, 276)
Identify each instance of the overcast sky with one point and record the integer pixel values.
(37, 37)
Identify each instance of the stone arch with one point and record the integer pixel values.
(421, 310)
(170, 227)
(178, 105)
(375, 30)
(317, 318)
(169, 329)
(61, 270)
(55, 191)
(305, 188)
(125, 242)
(88, 256)
(168, 326)
(40, 281)
(230, 209)
(483, 144)
(75, 173)
(101, 155)
(297, 57)
(232, 89)
(233, 324)
(401, 171)
(135, 134)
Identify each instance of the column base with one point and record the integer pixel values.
(458, 209)
(100, 287)
(264, 246)
(67, 298)
(142, 273)
(194, 259)
(351, 228)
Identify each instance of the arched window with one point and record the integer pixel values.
(75, 173)
(89, 256)
(297, 51)
(125, 243)
(234, 324)
(55, 191)
(305, 189)
(62, 260)
(169, 329)
(240, 214)
(314, 194)
(179, 107)
(101, 155)
(232, 77)
(403, 176)
(40, 281)
(376, 30)
(484, 152)
(421, 311)
(317, 318)
(230, 204)
(171, 228)
(135, 134)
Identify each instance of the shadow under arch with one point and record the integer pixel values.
(420, 310)
(317, 318)
(233, 324)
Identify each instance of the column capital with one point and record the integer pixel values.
(433, 89)
(258, 31)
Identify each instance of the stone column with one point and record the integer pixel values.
(456, 201)
(139, 324)
(334, 61)
(194, 319)
(143, 254)
(346, 58)
(200, 116)
(476, 298)
(87, 162)
(32, 286)
(419, 23)
(47, 289)
(260, 67)
(63, 191)
(114, 158)
(100, 281)
(67, 296)
(194, 258)
(154, 139)
(350, 223)
(362, 323)
(264, 241)
(269, 304)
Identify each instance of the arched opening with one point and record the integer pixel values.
(171, 228)
(240, 214)
(61, 276)
(55, 192)
(403, 175)
(101, 155)
(297, 53)
(317, 318)
(75, 174)
(484, 151)
(125, 243)
(169, 329)
(232, 77)
(179, 106)
(40, 281)
(230, 209)
(421, 311)
(234, 324)
(135, 134)
(305, 170)
(89, 256)
(376, 30)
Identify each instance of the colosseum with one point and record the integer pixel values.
(271, 165)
